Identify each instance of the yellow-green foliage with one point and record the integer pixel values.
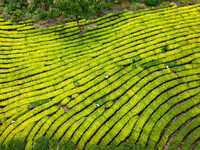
(141, 99)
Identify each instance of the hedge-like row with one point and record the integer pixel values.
(17, 126)
(178, 123)
(184, 133)
(193, 137)
(48, 123)
(155, 134)
(126, 108)
(151, 117)
(34, 131)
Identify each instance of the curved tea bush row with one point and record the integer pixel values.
(113, 84)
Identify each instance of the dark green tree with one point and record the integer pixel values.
(42, 143)
(35, 2)
(45, 3)
(53, 144)
(152, 2)
(67, 145)
(14, 4)
(15, 145)
(84, 8)
(118, 148)
(2, 147)
(107, 148)
(93, 147)
(134, 147)
(102, 5)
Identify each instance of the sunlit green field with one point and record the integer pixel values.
(141, 68)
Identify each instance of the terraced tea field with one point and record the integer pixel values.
(141, 68)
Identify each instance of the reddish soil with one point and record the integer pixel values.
(64, 107)
(88, 26)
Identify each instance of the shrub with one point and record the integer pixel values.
(134, 147)
(53, 144)
(42, 143)
(43, 15)
(23, 2)
(104, 5)
(69, 145)
(28, 14)
(15, 145)
(18, 6)
(152, 2)
(30, 8)
(37, 11)
(6, 10)
(93, 147)
(64, 14)
(118, 148)
(17, 13)
(55, 12)
(2, 147)
(107, 148)
(47, 1)
(40, 102)
(12, 5)
(1, 9)
(35, 2)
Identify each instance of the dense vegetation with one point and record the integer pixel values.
(130, 77)
(61, 11)
(43, 143)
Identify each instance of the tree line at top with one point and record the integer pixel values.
(77, 8)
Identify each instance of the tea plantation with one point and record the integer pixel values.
(132, 77)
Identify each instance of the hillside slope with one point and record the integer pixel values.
(151, 95)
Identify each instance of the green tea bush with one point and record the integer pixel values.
(20, 115)
(128, 91)
(42, 143)
(38, 103)
(67, 145)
